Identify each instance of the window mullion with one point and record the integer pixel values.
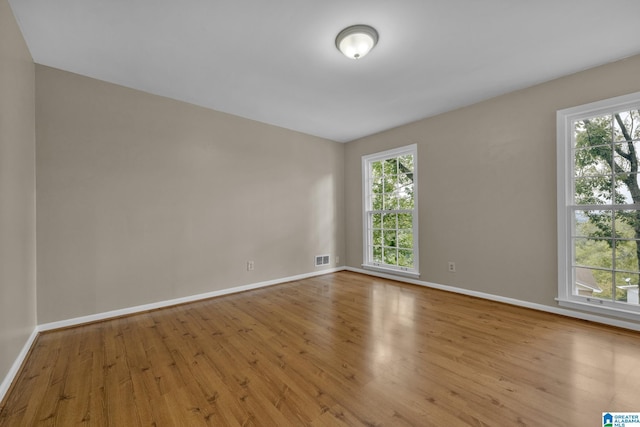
(590, 180)
(392, 191)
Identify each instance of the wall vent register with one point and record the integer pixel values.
(322, 260)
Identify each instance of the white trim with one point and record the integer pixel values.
(146, 307)
(366, 161)
(391, 271)
(395, 275)
(563, 157)
(602, 106)
(17, 364)
(598, 306)
(511, 301)
(566, 205)
(394, 152)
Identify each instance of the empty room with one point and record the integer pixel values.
(338, 213)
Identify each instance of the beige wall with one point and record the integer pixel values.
(487, 189)
(17, 192)
(144, 199)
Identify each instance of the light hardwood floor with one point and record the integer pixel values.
(339, 349)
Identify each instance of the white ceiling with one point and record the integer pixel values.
(276, 61)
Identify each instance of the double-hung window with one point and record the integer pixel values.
(599, 206)
(390, 184)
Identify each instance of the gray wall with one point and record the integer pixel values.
(487, 188)
(17, 192)
(144, 199)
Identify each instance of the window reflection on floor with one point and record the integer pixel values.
(392, 320)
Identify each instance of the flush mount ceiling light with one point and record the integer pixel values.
(356, 41)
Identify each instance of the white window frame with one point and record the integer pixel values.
(566, 206)
(367, 256)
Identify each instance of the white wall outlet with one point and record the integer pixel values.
(250, 265)
(452, 267)
(337, 260)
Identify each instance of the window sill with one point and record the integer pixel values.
(596, 307)
(411, 274)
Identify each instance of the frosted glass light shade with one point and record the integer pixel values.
(356, 41)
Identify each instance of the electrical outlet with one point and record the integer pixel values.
(452, 267)
(250, 265)
(337, 260)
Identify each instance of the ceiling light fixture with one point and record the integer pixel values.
(356, 41)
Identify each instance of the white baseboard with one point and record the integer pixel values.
(146, 307)
(540, 307)
(15, 368)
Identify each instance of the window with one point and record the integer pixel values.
(599, 206)
(390, 183)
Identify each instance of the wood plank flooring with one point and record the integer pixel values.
(342, 349)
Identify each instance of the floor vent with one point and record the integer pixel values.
(322, 260)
